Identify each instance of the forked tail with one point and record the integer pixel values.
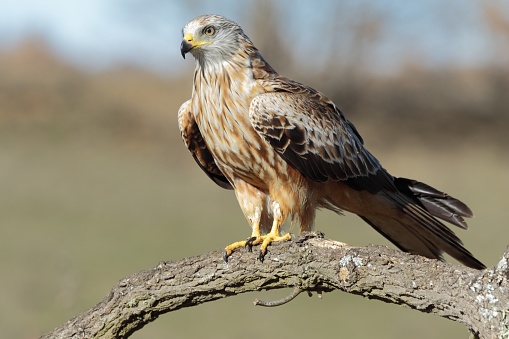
(414, 227)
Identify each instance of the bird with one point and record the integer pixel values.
(286, 150)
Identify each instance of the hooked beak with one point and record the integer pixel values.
(188, 43)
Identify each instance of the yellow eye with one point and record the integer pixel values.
(209, 30)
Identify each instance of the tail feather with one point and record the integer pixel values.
(404, 238)
(438, 204)
(416, 230)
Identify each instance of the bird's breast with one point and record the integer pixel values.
(223, 118)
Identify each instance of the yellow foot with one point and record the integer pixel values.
(228, 250)
(267, 239)
(264, 240)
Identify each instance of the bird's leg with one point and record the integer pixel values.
(253, 203)
(273, 235)
(254, 236)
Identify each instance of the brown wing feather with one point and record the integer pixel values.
(194, 142)
(310, 132)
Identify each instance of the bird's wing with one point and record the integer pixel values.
(311, 134)
(194, 142)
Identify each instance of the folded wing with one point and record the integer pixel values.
(193, 140)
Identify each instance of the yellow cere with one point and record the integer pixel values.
(189, 38)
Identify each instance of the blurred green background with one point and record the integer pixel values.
(95, 183)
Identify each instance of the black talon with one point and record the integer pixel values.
(249, 243)
(225, 257)
(261, 256)
(250, 240)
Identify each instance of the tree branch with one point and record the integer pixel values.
(478, 299)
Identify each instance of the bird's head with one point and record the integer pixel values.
(212, 38)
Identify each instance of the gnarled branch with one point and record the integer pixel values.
(478, 299)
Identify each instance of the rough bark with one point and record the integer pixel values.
(478, 299)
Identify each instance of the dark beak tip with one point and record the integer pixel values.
(184, 48)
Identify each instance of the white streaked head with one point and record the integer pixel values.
(212, 38)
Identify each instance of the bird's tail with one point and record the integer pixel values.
(415, 228)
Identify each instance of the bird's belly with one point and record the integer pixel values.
(257, 164)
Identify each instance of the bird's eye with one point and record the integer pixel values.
(209, 30)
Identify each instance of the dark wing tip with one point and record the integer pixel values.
(437, 203)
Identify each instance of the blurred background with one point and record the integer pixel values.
(95, 183)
